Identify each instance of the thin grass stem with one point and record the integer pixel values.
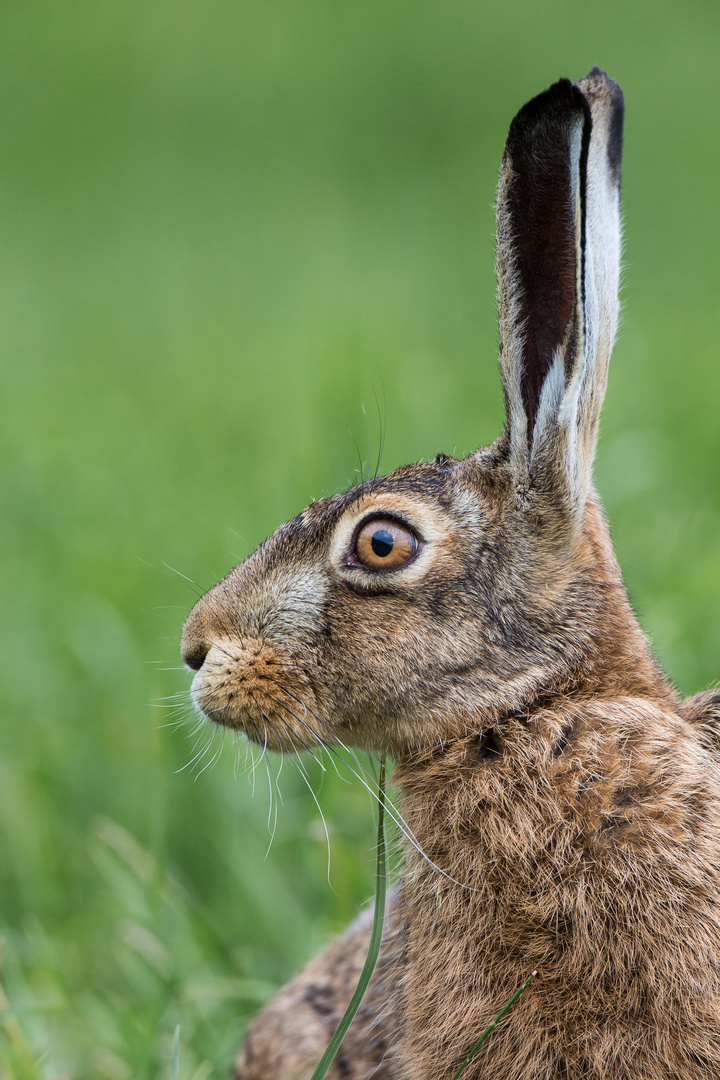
(375, 937)
(493, 1024)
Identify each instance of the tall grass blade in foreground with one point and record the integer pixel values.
(375, 937)
(175, 1054)
(493, 1024)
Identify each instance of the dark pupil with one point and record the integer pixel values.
(382, 543)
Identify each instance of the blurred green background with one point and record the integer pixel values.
(226, 231)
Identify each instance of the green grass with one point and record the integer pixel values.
(224, 230)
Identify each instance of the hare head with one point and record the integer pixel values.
(430, 602)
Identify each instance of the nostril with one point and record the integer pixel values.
(194, 653)
(197, 636)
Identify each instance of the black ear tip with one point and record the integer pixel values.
(562, 94)
(559, 105)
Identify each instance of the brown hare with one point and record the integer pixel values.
(469, 618)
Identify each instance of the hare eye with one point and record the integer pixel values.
(384, 545)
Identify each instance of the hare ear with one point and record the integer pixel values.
(558, 257)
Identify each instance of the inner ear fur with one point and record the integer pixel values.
(557, 265)
(540, 229)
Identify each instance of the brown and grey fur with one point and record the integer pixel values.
(566, 802)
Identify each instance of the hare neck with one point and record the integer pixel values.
(601, 627)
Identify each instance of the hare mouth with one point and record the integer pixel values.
(250, 686)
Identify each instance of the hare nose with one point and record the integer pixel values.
(194, 653)
(195, 644)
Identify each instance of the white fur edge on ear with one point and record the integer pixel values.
(578, 413)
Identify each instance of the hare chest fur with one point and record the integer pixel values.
(468, 617)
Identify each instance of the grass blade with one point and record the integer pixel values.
(175, 1054)
(493, 1024)
(375, 937)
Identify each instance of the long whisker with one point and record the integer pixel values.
(278, 800)
(263, 744)
(297, 761)
(333, 736)
(192, 584)
(213, 760)
(307, 728)
(361, 463)
(272, 805)
(200, 753)
(382, 419)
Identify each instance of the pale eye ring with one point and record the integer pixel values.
(383, 544)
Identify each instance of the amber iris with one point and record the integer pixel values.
(383, 544)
